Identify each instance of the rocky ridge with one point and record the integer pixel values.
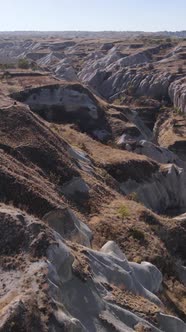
(92, 186)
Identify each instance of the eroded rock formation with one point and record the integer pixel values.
(93, 185)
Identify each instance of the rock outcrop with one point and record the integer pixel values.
(92, 183)
(177, 92)
(63, 103)
(166, 189)
(139, 279)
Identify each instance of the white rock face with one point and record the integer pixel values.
(69, 226)
(148, 275)
(165, 189)
(65, 71)
(48, 60)
(10, 51)
(177, 93)
(160, 154)
(181, 217)
(80, 304)
(117, 270)
(113, 249)
(111, 74)
(152, 85)
(155, 85)
(134, 59)
(142, 131)
(75, 186)
(173, 54)
(79, 155)
(82, 158)
(171, 324)
(72, 100)
(61, 259)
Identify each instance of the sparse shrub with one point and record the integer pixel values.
(82, 146)
(123, 212)
(23, 63)
(117, 101)
(137, 234)
(55, 128)
(34, 66)
(54, 178)
(163, 108)
(180, 70)
(149, 218)
(103, 173)
(168, 40)
(136, 259)
(106, 178)
(12, 89)
(6, 74)
(120, 99)
(133, 197)
(130, 90)
(6, 66)
(150, 66)
(177, 111)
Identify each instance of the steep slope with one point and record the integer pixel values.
(56, 285)
(85, 181)
(64, 103)
(33, 161)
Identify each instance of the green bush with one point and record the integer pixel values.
(177, 110)
(137, 234)
(6, 74)
(6, 66)
(23, 63)
(34, 66)
(130, 90)
(123, 212)
(150, 66)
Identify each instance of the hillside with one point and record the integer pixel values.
(92, 182)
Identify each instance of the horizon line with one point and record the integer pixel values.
(95, 31)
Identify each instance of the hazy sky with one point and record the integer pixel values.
(147, 15)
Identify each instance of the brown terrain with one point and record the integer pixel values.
(92, 168)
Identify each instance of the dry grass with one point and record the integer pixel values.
(100, 153)
(172, 128)
(136, 304)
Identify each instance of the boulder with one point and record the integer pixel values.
(64, 222)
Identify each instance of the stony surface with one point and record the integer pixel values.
(92, 183)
